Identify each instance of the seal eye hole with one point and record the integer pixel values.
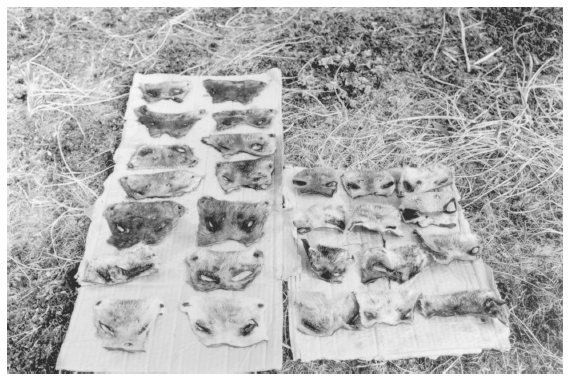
(410, 214)
(226, 179)
(257, 147)
(143, 329)
(145, 152)
(386, 186)
(161, 226)
(248, 328)
(106, 328)
(152, 93)
(474, 251)
(202, 328)
(406, 315)
(331, 184)
(369, 315)
(299, 183)
(408, 187)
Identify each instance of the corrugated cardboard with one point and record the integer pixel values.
(172, 347)
(424, 338)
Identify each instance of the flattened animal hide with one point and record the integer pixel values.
(227, 270)
(382, 218)
(320, 181)
(365, 183)
(225, 220)
(255, 174)
(126, 265)
(126, 324)
(232, 144)
(320, 316)
(147, 222)
(328, 263)
(482, 303)
(258, 118)
(234, 91)
(416, 180)
(175, 125)
(223, 319)
(163, 184)
(399, 265)
(319, 216)
(387, 307)
(445, 248)
(167, 156)
(171, 90)
(431, 208)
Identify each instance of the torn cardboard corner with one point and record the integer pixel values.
(424, 338)
(172, 346)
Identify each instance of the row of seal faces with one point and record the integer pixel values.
(219, 221)
(318, 315)
(411, 180)
(220, 90)
(209, 270)
(178, 125)
(331, 263)
(237, 321)
(433, 208)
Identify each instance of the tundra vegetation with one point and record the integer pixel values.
(480, 89)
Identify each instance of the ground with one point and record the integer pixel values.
(480, 89)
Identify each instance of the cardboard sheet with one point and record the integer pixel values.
(172, 347)
(424, 338)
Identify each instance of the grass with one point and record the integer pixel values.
(477, 88)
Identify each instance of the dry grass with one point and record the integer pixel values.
(479, 88)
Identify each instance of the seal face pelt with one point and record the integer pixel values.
(147, 222)
(399, 265)
(255, 174)
(232, 144)
(258, 118)
(320, 316)
(224, 270)
(123, 266)
(220, 221)
(175, 125)
(171, 90)
(163, 184)
(382, 218)
(416, 180)
(445, 248)
(232, 320)
(319, 216)
(482, 303)
(430, 208)
(233, 91)
(366, 183)
(126, 324)
(167, 156)
(321, 181)
(328, 263)
(390, 307)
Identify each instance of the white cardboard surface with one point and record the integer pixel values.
(424, 338)
(172, 347)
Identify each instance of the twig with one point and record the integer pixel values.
(463, 40)
(441, 38)
(488, 56)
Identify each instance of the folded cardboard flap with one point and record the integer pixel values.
(425, 337)
(172, 347)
